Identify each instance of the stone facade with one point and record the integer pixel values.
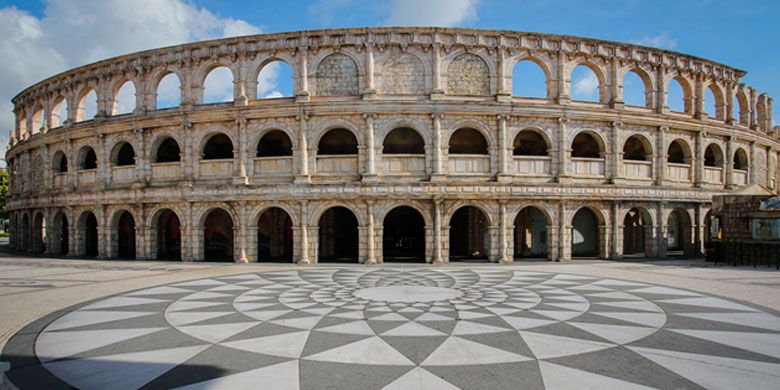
(319, 176)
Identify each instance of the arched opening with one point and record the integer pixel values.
(87, 159)
(59, 112)
(338, 236)
(403, 234)
(635, 91)
(274, 236)
(338, 142)
(167, 151)
(60, 162)
(87, 108)
(713, 102)
(61, 237)
(124, 99)
(741, 159)
(713, 156)
(636, 149)
(468, 141)
(125, 230)
(218, 236)
(585, 145)
(678, 236)
(529, 143)
(678, 99)
(39, 233)
(678, 152)
(89, 228)
(218, 147)
(274, 143)
(713, 227)
(585, 234)
(37, 120)
(169, 91)
(634, 232)
(25, 233)
(123, 155)
(585, 85)
(275, 80)
(403, 140)
(529, 80)
(742, 109)
(168, 236)
(530, 233)
(469, 235)
(218, 85)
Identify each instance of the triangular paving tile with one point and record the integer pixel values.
(710, 302)
(413, 329)
(560, 315)
(355, 327)
(161, 291)
(420, 379)
(459, 351)
(619, 334)
(433, 317)
(180, 318)
(548, 346)
(560, 377)
(763, 343)
(111, 303)
(664, 291)
(467, 327)
(265, 315)
(649, 319)
(205, 295)
(57, 345)
(299, 322)
(283, 376)
(370, 351)
(289, 345)
(525, 323)
(92, 317)
(199, 283)
(389, 317)
(216, 332)
(633, 305)
(756, 320)
(189, 305)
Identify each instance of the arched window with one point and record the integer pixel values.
(585, 145)
(710, 103)
(87, 159)
(529, 143)
(218, 86)
(219, 146)
(742, 109)
(124, 155)
(403, 140)
(167, 151)
(22, 125)
(87, 108)
(678, 95)
(468, 141)
(713, 156)
(169, 91)
(274, 143)
(337, 75)
(337, 141)
(59, 112)
(635, 91)
(585, 85)
(529, 80)
(468, 75)
(636, 149)
(741, 159)
(124, 99)
(678, 152)
(37, 120)
(275, 80)
(60, 162)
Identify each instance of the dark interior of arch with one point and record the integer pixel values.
(61, 239)
(126, 236)
(403, 140)
(676, 154)
(168, 236)
(274, 236)
(403, 235)
(740, 160)
(338, 141)
(90, 235)
(529, 143)
(469, 235)
(468, 141)
(125, 155)
(61, 163)
(585, 234)
(633, 232)
(90, 159)
(585, 146)
(712, 157)
(338, 236)
(274, 143)
(218, 147)
(168, 151)
(635, 150)
(218, 236)
(530, 234)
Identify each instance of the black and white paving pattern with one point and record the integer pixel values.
(409, 328)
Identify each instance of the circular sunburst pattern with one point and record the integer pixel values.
(408, 328)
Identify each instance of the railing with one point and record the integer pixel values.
(532, 165)
(740, 177)
(123, 174)
(678, 172)
(216, 168)
(60, 180)
(166, 170)
(87, 176)
(273, 166)
(469, 164)
(399, 164)
(337, 164)
(638, 169)
(713, 175)
(582, 166)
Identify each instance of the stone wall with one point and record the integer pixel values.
(468, 75)
(402, 74)
(337, 76)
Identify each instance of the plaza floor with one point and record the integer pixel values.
(666, 324)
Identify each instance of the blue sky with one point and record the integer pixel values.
(44, 37)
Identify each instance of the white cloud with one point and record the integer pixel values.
(586, 86)
(443, 13)
(325, 11)
(661, 41)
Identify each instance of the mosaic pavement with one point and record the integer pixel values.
(407, 328)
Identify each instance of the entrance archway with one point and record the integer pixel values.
(125, 230)
(338, 236)
(634, 232)
(403, 235)
(585, 234)
(530, 233)
(168, 236)
(218, 236)
(89, 227)
(39, 233)
(60, 239)
(25, 232)
(678, 234)
(274, 236)
(469, 235)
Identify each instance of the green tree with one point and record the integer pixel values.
(3, 192)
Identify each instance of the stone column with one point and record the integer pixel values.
(698, 158)
(753, 165)
(370, 243)
(370, 173)
(502, 92)
(562, 172)
(729, 157)
(242, 232)
(662, 98)
(729, 109)
(699, 234)
(660, 230)
(436, 58)
(437, 244)
(187, 160)
(302, 95)
(564, 237)
(103, 165)
(563, 97)
(187, 241)
(240, 177)
(303, 257)
(438, 171)
(615, 87)
(615, 154)
(617, 227)
(503, 255)
(370, 91)
(503, 148)
(660, 162)
(140, 234)
(303, 150)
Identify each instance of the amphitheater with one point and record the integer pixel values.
(397, 144)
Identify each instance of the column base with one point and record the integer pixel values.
(370, 262)
(370, 178)
(504, 97)
(302, 179)
(302, 97)
(565, 179)
(506, 260)
(240, 180)
(439, 262)
(437, 94)
(438, 178)
(303, 262)
(504, 178)
(369, 94)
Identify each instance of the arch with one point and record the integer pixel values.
(218, 236)
(678, 152)
(402, 74)
(38, 122)
(124, 227)
(87, 105)
(741, 159)
(713, 156)
(637, 231)
(25, 232)
(713, 227)
(680, 95)
(530, 142)
(59, 111)
(39, 233)
(60, 241)
(530, 78)
(637, 148)
(337, 75)
(168, 91)
(637, 89)
(167, 228)
(124, 98)
(217, 146)
(338, 141)
(218, 85)
(678, 237)
(274, 143)
(88, 229)
(713, 102)
(166, 150)
(587, 145)
(59, 163)
(587, 83)
(742, 108)
(338, 235)
(274, 80)
(87, 159)
(585, 236)
(403, 140)
(467, 140)
(468, 75)
(274, 235)
(403, 235)
(530, 233)
(469, 234)
(123, 154)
